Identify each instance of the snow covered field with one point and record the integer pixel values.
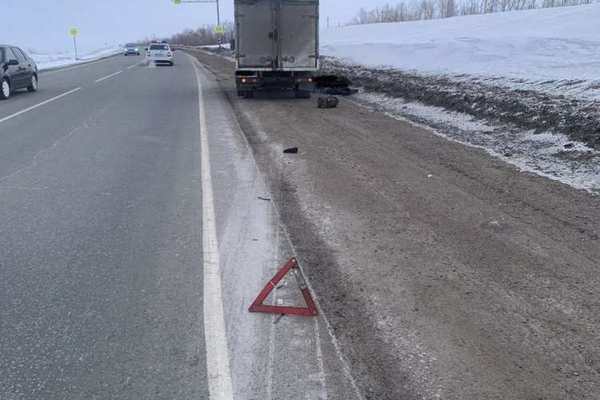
(554, 50)
(523, 85)
(48, 61)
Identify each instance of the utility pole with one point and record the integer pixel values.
(220, 33)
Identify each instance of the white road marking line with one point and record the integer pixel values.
(108, 76)
(217, 354)
(39, 104)
(133, 66)
(344, 363)
(347, 371)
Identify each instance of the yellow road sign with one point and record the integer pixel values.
(74, 31)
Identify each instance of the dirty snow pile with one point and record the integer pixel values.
(554, 48)
(55, 60)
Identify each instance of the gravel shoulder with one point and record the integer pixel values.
(444, 272)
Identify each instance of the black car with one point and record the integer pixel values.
(17, 71)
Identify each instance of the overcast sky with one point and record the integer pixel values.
(43, 25)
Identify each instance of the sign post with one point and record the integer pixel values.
(219, 30)
(74, 32)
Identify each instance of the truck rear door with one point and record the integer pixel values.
(297, 34)
(255, 33)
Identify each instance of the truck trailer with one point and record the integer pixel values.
(276, 45)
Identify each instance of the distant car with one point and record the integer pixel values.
(17, 71)
(132, 49)
(159, 53)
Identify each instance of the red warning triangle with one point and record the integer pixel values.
(308, 311)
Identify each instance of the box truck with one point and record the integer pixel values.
(276, 45)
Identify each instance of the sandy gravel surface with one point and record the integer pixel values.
(445, 273)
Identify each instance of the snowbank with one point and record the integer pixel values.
(48, 61)
(554, 49)
(216, 46)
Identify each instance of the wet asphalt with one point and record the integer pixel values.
(100, 239)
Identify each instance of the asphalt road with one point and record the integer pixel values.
(112, 220)
(100, 282)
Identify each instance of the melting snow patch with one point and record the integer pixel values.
(551, 155)
(427, 113)
(56, 60)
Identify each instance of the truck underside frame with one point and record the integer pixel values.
(248, 82)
